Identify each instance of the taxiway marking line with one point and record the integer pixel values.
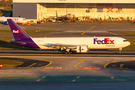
(90, 29)
(48, 64)
(43, 76)
(112, 61)
(113, 33)
(76, 78)
(116, 62)
(84, 69)
(67, 67)
(106, 65)
(32, 64)
(78, 63)
(38, 80)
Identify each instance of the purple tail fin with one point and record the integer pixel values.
(21, 37)
(17, 31)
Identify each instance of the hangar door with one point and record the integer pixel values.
(26, 10)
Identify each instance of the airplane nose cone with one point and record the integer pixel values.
(128, 43)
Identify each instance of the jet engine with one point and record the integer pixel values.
(82, 49)
(6, 23)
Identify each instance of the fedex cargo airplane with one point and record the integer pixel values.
(69, 44)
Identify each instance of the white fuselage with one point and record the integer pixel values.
(91, 42)
(15, 19)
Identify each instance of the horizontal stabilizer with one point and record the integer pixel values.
(17, 42)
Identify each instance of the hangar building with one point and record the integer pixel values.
(39, 9)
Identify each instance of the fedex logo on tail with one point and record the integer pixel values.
(18, 31)
(105, 41)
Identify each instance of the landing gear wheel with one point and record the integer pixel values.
(66, 52)
(120, 50)
(71, 52)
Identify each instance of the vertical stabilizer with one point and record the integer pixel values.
(17, 31)
(21, 37)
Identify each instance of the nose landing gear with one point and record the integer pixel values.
(120, 50)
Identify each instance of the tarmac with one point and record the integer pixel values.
(75, 71)
(80, 26)
(80, 29)
(71, 66)
(103, 28)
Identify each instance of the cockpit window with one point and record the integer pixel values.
(125, 40)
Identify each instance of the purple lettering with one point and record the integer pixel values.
(95, 40)
(99, 42)
(105, 41)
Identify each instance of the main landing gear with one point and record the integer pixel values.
(68, 51)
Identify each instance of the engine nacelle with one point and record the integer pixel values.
(6, 23)
(82, 49)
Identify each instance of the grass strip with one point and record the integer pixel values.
(132, 44)
(127, 32)
(10, 63)
(28, 31)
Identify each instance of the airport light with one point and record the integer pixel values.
(1, 65)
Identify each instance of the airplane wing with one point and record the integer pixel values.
(69, 48)
(63, 46)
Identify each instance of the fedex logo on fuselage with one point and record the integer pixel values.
(105, 41)
(18, 31)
